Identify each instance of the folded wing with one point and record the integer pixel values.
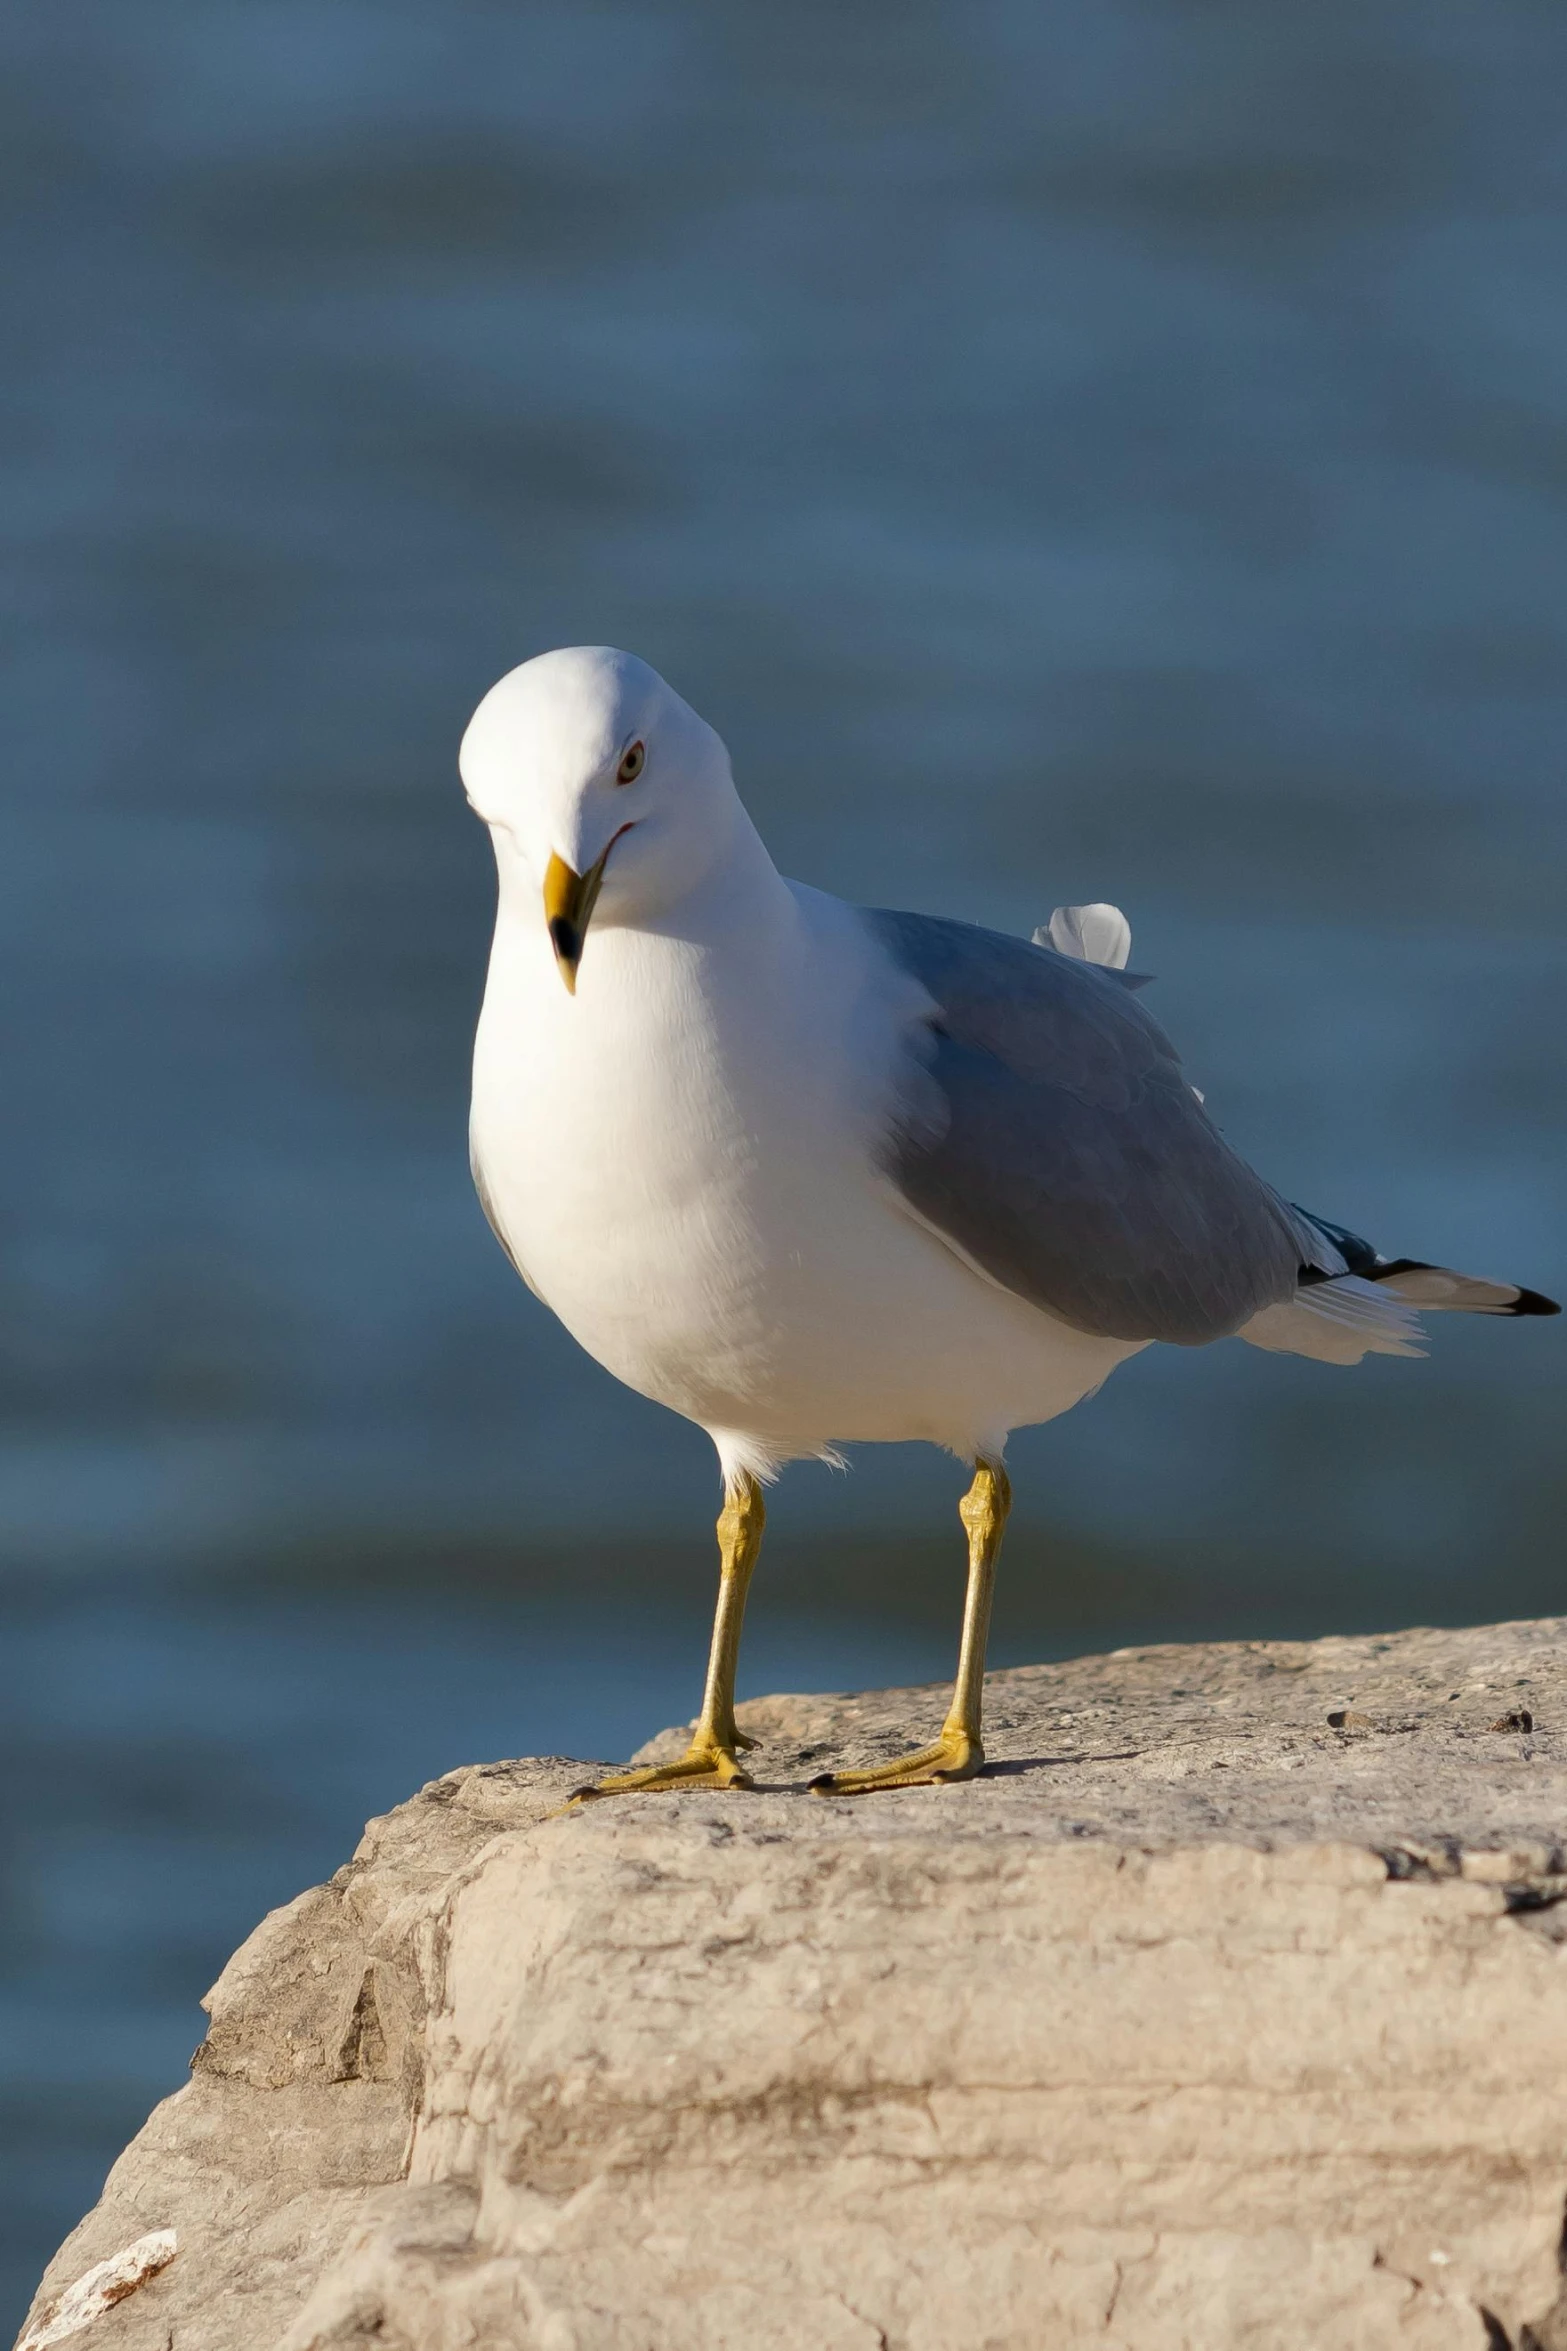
(1045, 1130)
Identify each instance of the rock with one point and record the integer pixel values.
(106, 2283)
(1198, 2023)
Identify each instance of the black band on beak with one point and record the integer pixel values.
(569, 900)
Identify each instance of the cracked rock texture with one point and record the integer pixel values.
(1230, 2010)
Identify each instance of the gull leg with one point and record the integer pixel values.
(958, 1752)
(709, 1761)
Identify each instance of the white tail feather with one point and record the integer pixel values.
(1338, 1322)
(1440, 1291)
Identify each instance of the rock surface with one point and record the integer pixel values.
(1230, 2010)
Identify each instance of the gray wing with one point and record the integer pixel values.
(1046, 1130)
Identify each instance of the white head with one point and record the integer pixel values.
(606, 796)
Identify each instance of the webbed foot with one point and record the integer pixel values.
(956, 1755)
(705, 1764)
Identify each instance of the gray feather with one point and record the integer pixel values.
(1046, 1131)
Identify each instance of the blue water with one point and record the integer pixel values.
(1070, 453)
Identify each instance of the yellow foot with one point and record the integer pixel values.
(955, 1756)
(704, 1765)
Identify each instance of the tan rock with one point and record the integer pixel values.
(1200, 2023)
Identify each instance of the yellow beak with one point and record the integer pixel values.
(569, 900)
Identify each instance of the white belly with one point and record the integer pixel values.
(683, 1167)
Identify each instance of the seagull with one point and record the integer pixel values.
(815, 1174)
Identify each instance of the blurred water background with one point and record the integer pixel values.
(1070, 453)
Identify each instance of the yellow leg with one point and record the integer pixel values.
(958, 1753)
(709, 1761)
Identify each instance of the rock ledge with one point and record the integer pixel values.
(1230, 2010)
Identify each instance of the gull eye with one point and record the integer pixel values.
(631, 764)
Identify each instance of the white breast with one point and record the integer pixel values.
(682, 1157)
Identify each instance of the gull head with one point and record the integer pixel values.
(607, 798)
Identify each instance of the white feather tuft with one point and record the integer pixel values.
(741, 1455)
(1093, 934)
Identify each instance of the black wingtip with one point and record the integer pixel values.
(1526, 1302)
(1362, 1259)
